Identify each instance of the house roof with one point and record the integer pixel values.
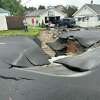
(94, 7)
(60, 7)
(36, 12)
(40, 12)
(3, 11)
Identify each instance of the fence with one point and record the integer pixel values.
(15, 22)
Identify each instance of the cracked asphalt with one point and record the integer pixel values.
(25, 84)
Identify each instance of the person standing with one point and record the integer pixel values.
(42, 23)
(25, 25)
(33, 21)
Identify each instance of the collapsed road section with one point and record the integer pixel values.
(21, 51)
(28, 73)
(75, 42)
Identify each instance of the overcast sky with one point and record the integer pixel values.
(36, 3)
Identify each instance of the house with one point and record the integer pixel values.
(4, 12)
(3, 22)
(88, 15)
(43, 16)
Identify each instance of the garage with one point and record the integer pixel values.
(52, 19)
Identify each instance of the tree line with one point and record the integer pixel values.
(15, 7)
(69, 10)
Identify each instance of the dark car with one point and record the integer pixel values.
(67, 22)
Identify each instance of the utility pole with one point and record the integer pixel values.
(91, 2)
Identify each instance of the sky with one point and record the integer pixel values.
(36, 3)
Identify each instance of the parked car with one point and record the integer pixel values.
(66, 22)
(51, 25)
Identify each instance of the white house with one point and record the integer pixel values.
(88, 15)
(3, 22)
(44, 15)
(4, 12)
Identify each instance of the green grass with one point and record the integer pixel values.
(31, 32)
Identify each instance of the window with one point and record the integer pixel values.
(79, 19)
(83, 19)
(51, 13)
(87, 18)
(98, 17)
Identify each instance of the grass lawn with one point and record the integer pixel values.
(32, 31)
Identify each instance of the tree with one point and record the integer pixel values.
(13, 6)
(70, 10)
(30, 9)
(41, 7)
(0, 3)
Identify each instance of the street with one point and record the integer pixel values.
(25, 84)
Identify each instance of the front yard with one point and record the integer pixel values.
(32, 31)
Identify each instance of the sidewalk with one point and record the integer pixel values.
(46, 37)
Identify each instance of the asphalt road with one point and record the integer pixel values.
(16, 84)
(21, 85)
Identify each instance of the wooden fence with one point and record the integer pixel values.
(15, 22)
